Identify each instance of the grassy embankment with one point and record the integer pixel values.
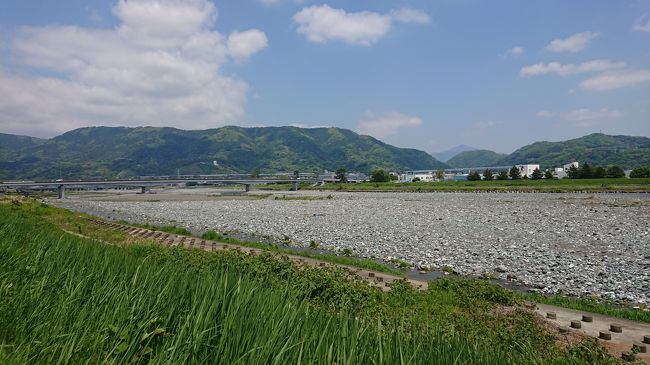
(66, 297)
(223, 237)
(591, 305)
(585, 304)
(547, 186)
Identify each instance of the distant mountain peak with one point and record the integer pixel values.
(444, 156)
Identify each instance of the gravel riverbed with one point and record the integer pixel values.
(575, 244)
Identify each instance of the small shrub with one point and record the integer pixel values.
(286, 239)
(212, 235)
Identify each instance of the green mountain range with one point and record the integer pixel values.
(128, 152)
(10, 143)
(595, 149)
(476, 158)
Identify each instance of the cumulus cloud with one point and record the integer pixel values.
(642, 24)
(574, 43)
(386, 124)
(583, 117)
(515, 51)
(323, 23)
(616, 80)
(560, 69)
(242, 45)
(159, 66)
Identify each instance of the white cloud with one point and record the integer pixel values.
(642, 24)
(386, 124)
(163, 23)
(515, 51)
(323, 23)
(574, 43)
(583, 117)
(242, 45)
(616, 80)
(159, 66)
(560, 69)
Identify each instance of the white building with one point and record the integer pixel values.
(527, 170)
(408, 177)
(562, 172)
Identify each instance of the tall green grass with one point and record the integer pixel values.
(65, 299)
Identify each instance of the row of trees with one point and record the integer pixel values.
(587, 171)
(512, 174)
(584, 172)
(639, 172)
(380, 175)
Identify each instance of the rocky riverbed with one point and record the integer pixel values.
(576, 244)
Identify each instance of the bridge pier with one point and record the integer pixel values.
(247, 187)
(61, 190)
(294, 186)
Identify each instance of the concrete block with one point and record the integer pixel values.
(646, 339)
(371, 274)
(380, 279)
(628, 356)
(605, 335)
(640, 347)
(576, 324)
(615, 327)
(551, 315)
(563, 330)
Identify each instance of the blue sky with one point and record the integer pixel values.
(422, 74)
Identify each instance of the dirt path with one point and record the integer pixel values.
(632, 334)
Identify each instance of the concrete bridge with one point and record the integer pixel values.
(145, 184)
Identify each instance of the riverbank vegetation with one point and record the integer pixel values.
(67, 296)
(521, 185)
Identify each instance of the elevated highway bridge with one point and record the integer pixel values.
(144, 184)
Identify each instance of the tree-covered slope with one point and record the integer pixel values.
(124, 152)
(597, 149)
(477, 158)
(10, 144)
